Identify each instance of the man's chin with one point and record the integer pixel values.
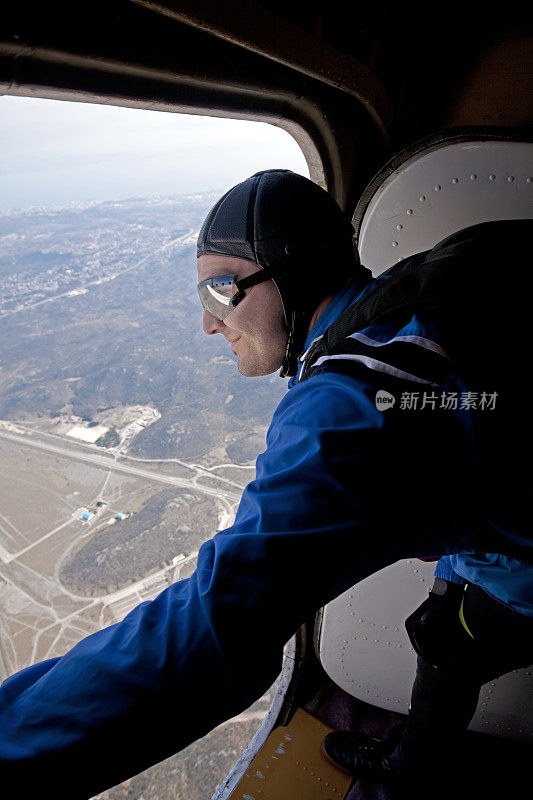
(255, 370)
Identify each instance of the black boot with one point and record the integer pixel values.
(358, 754)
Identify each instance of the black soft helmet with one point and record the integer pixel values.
(296, 232)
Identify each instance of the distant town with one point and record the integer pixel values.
(47, 265)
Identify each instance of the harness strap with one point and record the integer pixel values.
(411, 358)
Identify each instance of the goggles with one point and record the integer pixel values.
(220, 295)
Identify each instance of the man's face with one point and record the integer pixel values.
(255, 328)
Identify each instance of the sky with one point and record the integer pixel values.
(54, 152)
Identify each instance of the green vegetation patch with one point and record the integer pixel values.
(171, 522)
(109, 439)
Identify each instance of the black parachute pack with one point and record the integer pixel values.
(475, 287)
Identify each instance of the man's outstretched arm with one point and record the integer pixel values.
(321, 514)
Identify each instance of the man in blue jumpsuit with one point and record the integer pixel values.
(342, 490)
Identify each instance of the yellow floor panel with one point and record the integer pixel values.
(291, 766)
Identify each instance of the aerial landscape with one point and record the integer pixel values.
(126, 437)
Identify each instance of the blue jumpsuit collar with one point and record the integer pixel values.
(340, 302)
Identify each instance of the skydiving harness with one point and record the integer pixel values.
(461, 286)
(466, 287)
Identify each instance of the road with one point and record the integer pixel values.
(51, 617)
(26, 440)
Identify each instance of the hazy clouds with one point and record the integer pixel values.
(56, 152)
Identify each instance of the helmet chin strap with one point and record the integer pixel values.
(295, 343)
(289, 365)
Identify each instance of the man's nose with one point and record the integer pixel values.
(211, 324)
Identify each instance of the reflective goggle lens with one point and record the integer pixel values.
(220, 295)
(217, 295)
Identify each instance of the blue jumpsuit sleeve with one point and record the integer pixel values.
(313, 522)
(445, 571)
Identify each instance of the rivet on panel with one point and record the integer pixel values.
(410, 210)
(395, 244)
(510, 178)
(399, 227)
(528, 180)
(438, 187)
(473, 177)
(455, 180)
(422, 198)
(492, 177)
